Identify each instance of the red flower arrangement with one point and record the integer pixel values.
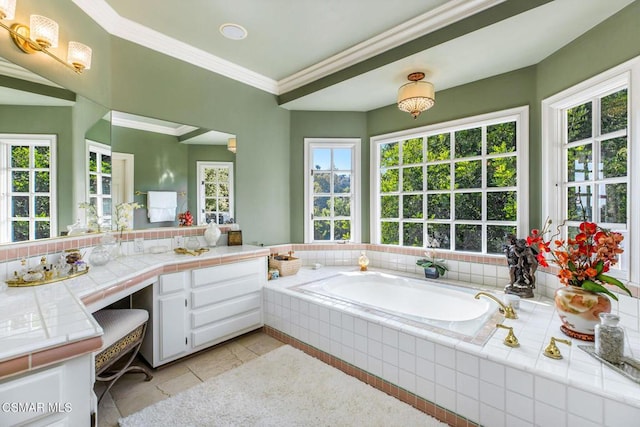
(185, 219)
(584, 259)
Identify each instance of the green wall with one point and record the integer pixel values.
(613, 42)
(130, 78)
(324, 124)
(47, 120)
(160, 165)
(100, 132)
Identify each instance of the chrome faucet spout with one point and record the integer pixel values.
(508, 310)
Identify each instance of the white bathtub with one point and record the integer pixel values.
(446, 309)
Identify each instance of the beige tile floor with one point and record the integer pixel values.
(131, 393)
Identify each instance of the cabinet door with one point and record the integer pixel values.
(172, 325)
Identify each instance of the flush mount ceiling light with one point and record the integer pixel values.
(416, 96)
(233, 31)
(42, 35)
(231, 145)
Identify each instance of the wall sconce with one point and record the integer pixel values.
(42, 35)
(416, 96)
(231, 145)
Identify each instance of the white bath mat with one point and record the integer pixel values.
(285, 387)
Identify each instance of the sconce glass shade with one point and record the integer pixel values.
(231, 145)
(416, 96)
(7, 9)
(44, 31)
(79, 56)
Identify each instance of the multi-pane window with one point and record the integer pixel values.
(331, 190)
(100, 180)
(28, 187)
(588, 150)
(452, 186)
(596, 135)
(215, 201)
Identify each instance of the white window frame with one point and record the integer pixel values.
(101, 149)
(341, 143)
(6, 140)
(201, 218)
(553, 203)
(519, 114)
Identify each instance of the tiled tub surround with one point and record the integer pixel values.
(492, 385)
(432, 305)
(44, 324)
(488, 271)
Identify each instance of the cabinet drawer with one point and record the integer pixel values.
(223, 291)
(173, 282)
(226, 327)
(39, 387)
(222, 273)
(226, 309)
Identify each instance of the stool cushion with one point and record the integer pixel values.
(118, 323)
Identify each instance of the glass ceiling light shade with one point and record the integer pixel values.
(79, 56)
(416, 96)
(44, 31)
(231, 145)
(7, 9)
(40, 36)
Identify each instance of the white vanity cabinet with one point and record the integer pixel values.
(226, 301)
(56, 395)
(192, 310)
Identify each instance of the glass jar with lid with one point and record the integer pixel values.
(609, 338)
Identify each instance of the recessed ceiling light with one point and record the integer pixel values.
(233, 31)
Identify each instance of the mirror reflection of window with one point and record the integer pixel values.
(215, 192)
(27, 186)
(100, 181)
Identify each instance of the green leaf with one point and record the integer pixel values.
(589, 285)
(441, 269)
(613, 281)
(599, 266)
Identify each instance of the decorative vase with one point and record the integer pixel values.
(212, 234)
(579, 311)
(431, 273)
(100, 255)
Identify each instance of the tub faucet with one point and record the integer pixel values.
(508, 310)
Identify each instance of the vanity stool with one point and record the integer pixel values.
(123, 333)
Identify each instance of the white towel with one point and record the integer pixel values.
(161, 205)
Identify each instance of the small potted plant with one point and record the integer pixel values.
(433, 267)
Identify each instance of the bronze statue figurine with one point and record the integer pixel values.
(522, 267)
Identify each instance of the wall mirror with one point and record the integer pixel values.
(196, 163)
(35, 130)
(137, 154)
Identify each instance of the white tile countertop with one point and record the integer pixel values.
(537, 322)
(37, 318)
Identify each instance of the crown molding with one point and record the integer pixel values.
(118, 119)
(446, 14)
(428, 22)
(129, 30)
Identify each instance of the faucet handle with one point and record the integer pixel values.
(510, 340)
(552, 349)
(509, 312)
